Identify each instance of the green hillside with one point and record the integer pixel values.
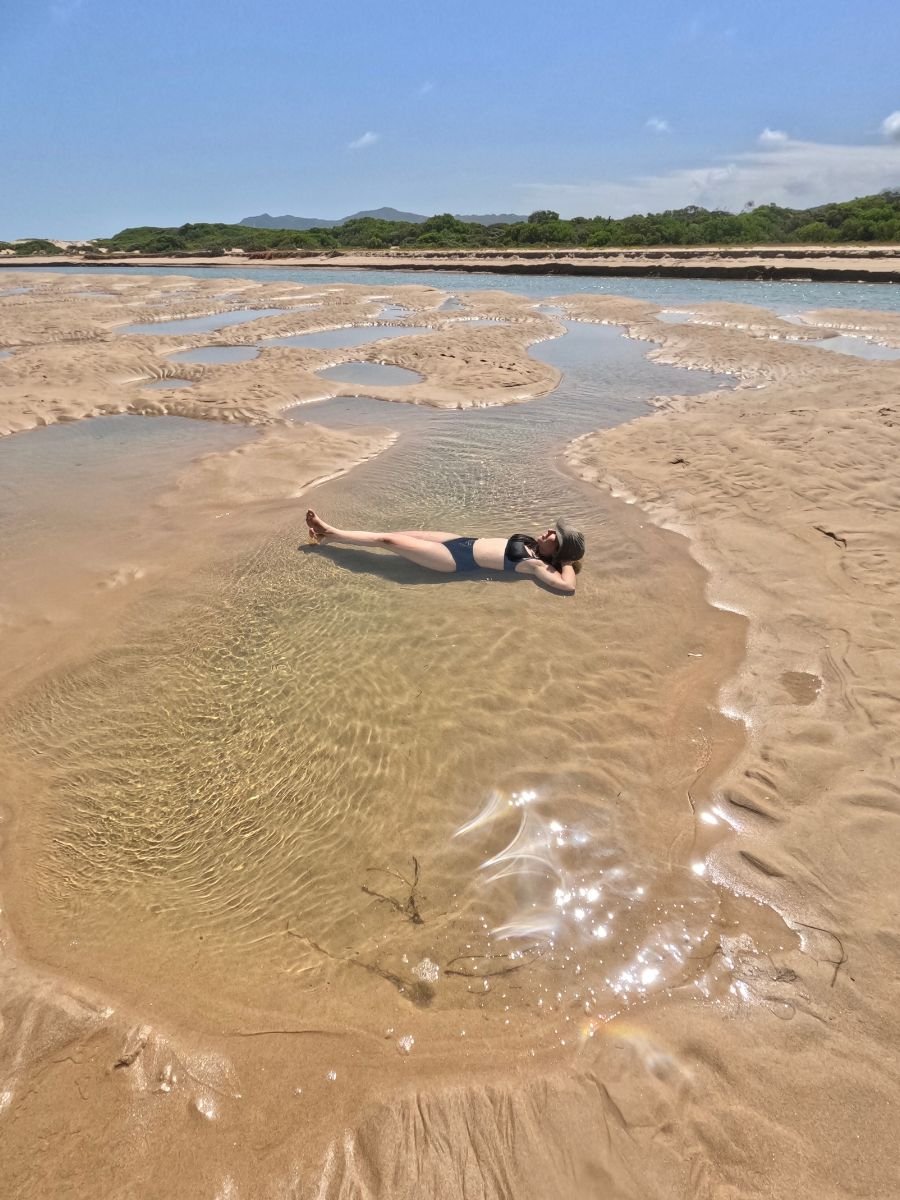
(866, 219)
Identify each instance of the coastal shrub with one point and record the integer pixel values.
(865, 219)
(816, 231)
(35, 246)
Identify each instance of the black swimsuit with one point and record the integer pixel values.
(519, 547)
(463, 554)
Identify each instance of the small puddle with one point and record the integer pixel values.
(14, 291)
(674, 316)
(159, 384)
(451, 304)
(370, 374)
(394, 311)
(858, 347)
(203, 324)
(215, 354)
(5, 353)
(328, 339)
(802, 686)
(550, 310)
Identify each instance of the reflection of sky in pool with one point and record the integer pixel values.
(203, 324)
(859, 347)
(215, 354)
(370, 374)
(674, 316)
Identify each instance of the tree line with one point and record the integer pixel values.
(865, 219)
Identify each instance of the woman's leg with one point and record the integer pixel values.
(428, 535)
(424, 552)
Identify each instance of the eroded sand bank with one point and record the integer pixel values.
(865, 263)
(771, 1069)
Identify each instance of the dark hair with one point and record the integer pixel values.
(559, 562)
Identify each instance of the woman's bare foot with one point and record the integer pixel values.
(317, 527)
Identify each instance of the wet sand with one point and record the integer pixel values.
(789, 494)
(70, 359)
(766, 849)
(867, 263)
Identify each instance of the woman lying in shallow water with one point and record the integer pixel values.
(552, 558)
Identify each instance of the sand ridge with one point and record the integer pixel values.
(69, 358)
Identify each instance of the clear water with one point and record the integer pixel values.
(367, 374)
(16, 291)
(780, 296)
(674, 316)
(858, 347)
(215, 354)
(5, 353)
(393, 312)
(263, 754)
(203, 324)
(70, 495)
(357, 335)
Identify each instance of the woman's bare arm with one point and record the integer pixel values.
(561, 579)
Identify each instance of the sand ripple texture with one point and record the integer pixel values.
(70, 356)
(265, 775)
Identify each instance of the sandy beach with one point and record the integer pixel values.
(737, 694)
(866, 263)
(789, 500)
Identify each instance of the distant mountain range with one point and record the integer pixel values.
(266, 221)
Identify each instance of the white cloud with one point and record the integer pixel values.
(426, 87)
(658, 125)
(792, 173)
(367, 139)
(773, 137)
(890, 126)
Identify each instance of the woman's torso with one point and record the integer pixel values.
(491, 553)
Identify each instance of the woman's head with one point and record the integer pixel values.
(561, 544)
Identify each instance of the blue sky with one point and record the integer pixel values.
(116, 113)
